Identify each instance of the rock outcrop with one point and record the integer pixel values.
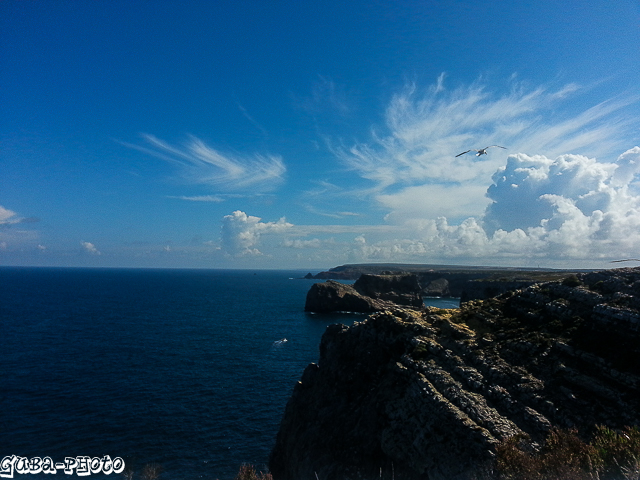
(482, 289)
(419, 395)
(370, 293)
(460, 281)
(437, 288)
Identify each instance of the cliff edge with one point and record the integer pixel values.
(370, 293)
(428, 394)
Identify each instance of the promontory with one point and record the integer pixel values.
(417, 394)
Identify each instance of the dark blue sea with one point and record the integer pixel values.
(182, 368)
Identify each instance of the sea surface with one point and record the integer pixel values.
(183, 368)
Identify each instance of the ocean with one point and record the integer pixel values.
(182, 368)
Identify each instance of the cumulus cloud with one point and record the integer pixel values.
(562, 194)
(13, 234)
(572, 201)
(525, 191)
(569, 209)
(410, 161)
(202, 164)
(241, 233)
(7, 217)
(90, 248)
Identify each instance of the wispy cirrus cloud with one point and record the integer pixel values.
(201, 198)
(326, 97)
(572, 197)
(413, 156)
(204, 165)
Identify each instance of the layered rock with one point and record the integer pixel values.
(437, 288)
(482, 289)
(370, 293)
(428, 394)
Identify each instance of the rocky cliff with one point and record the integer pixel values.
(467, 282)
(370, 293)
(489, 288)
(428, 394)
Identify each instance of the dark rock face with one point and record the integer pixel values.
(437, 288)
(402, 289)
(482, 289)
(427, 394)
(370, 293)
(461, 281)
(332, 296)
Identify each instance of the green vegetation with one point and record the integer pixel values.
(610, 455)
(152, 471)
(248, 472)
(572, 281)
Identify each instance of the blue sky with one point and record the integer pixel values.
(255, 134)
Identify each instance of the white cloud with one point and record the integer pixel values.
(300, 244)
(565, 211)
(90, 248)
(518, 188)
(202, 198)
(202, 164)
(411, 163)
(241, 233)
(433, 200)
(7, 216)
(13, 235)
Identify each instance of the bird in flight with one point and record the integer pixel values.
(482, 151)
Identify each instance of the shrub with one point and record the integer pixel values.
(563, 456)
(248, 472)
(151, 471)
(619, 452)
(572, 281)
(610, 455)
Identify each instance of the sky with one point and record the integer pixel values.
(287, 134)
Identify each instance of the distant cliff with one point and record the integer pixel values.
(370, 293)
(467, 282)
(427, 395)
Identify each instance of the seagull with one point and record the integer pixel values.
(482, 151)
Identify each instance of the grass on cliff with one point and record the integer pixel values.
(248, 472)
(152, 471)
(610, 455)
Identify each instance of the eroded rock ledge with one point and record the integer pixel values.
(370, 293)
(427, 395)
